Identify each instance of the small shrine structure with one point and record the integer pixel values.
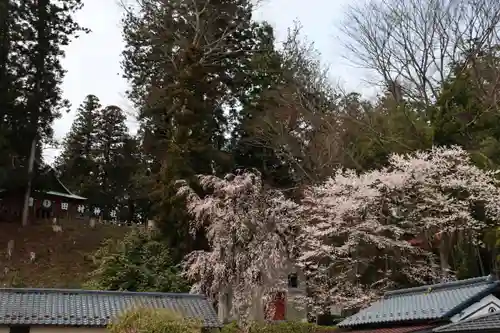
(49, 199)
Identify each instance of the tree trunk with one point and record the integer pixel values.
(35, 103)
(27, 194)
(444, 252)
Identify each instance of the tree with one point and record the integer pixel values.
(139, 262)
(100, 159)
(7, 88)
(77, 162)
(112, 140)
(300, 129)
(293, 114)
(414, 43)
(183, 74)
(358, 226)
(43, 28)
(466, 112)
(250, 229)
(131, 191)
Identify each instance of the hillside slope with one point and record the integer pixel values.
(62, 259)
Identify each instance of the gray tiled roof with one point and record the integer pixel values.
(429, 302)
(93, 308)
(491, 321)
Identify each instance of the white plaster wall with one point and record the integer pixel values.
(484, 306)
(294, 311)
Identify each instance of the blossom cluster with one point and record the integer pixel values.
(353, 236)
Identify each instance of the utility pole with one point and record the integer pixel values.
(35, 103)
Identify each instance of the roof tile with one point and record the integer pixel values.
(403, 329)
(93, 308)
(491, 321)
(423, 303)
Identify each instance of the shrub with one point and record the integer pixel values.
(154, 321)
(280, 327)
(231, 328)
(139, 262)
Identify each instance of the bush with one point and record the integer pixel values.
(154, 321)
(139, 262)
(231, 328)
(280, 327)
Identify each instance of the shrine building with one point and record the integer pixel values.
(49, 199)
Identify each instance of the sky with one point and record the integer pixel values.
(93, 61)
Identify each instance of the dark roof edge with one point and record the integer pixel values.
(50, 168)
(100, 292)
(65, 325)
(458, 323)
(459, 283)
(472, 300)
(390, 324)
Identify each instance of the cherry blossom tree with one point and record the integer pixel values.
(250, 229)
(358, 227)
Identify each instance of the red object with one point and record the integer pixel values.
(415, 242)
(276, 308)
(279, 306)
(404, 329)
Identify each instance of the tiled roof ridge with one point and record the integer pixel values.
(97, 292)
(444, 285)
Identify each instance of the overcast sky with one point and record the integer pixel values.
(93, 60)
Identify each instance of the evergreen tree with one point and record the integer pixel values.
(46, 28)
(100, 159)
(77, 163)
(32, 40)
(5, 84)
(248, 149)
(182, 79)
(112, 140)
(13, 77)
(466, 112)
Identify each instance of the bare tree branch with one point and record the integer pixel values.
(416, 42)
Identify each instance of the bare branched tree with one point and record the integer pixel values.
(305, 119)
(417, 43)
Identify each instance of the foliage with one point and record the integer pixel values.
(467, 107)
(278, 327)
(293, 327)
(183, 74)
(355, 242)
(287, 125)
(158, 320)
(100, 159)
(232, 327)
(250, 229)
(32, 42)
(139, 262)
(76, 164)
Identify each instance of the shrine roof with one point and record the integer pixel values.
(65, 195)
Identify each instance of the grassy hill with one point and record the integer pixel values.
(62, 259)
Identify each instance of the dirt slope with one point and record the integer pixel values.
(62, 258)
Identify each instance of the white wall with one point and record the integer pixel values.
(294, 311)
(486, 305)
